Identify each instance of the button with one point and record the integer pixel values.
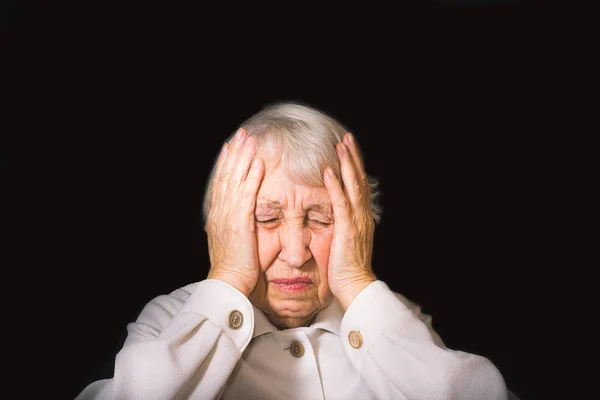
(235, 319)
(297, 349)
(355, 339)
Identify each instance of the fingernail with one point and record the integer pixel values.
(349, 139)
(238, 134)
(224, 149)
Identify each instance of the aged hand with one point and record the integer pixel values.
(230, 225)
(352, 246)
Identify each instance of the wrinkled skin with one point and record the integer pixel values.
(263, 227)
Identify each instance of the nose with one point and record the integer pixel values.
(295, 240)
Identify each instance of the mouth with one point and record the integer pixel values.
(294, 285)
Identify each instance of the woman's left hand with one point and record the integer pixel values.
(350, 269)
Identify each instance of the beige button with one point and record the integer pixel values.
(235, 319)
(355, 339)
(297, 349)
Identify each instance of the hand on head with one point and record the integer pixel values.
(230, 225)
(350, 268)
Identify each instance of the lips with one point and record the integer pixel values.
(292, 281)
(293, 285)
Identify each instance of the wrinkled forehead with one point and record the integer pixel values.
(314, 203)
(279, 192)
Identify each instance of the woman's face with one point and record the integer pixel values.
(294, 230)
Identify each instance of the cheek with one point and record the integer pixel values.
(268, 246)
(319, 246)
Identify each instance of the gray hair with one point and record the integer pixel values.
(306, 139)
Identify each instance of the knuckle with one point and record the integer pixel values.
(364, 180)
(221, 179)
(231, 183)
(358, 191)
(247, 196)
(344, 203)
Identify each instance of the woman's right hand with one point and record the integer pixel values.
(230, 225)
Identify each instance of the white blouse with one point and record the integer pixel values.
(207, 341)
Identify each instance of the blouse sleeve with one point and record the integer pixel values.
(177, 349)
(399, 355)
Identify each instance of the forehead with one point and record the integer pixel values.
(278, 191)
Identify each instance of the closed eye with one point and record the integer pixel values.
(266, 221)
(273, 221)
(319, 223)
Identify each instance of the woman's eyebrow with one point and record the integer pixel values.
(266, 203)
(263, 203)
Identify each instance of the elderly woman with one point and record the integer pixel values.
(291, 307)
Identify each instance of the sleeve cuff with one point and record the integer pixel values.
(217, 300)
(368, 315)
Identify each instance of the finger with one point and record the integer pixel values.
(245, 157)
(341, 206)
(252, 184)
(350, 142)
(217, 173)
(233, 150)
(353, 188)
(229, 163)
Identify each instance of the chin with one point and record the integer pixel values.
(287, 318)
(292, 313)
(295, 308)
(291, 309)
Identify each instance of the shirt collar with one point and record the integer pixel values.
(329, 319)
(261, 323)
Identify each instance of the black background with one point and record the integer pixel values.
(117, 110)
